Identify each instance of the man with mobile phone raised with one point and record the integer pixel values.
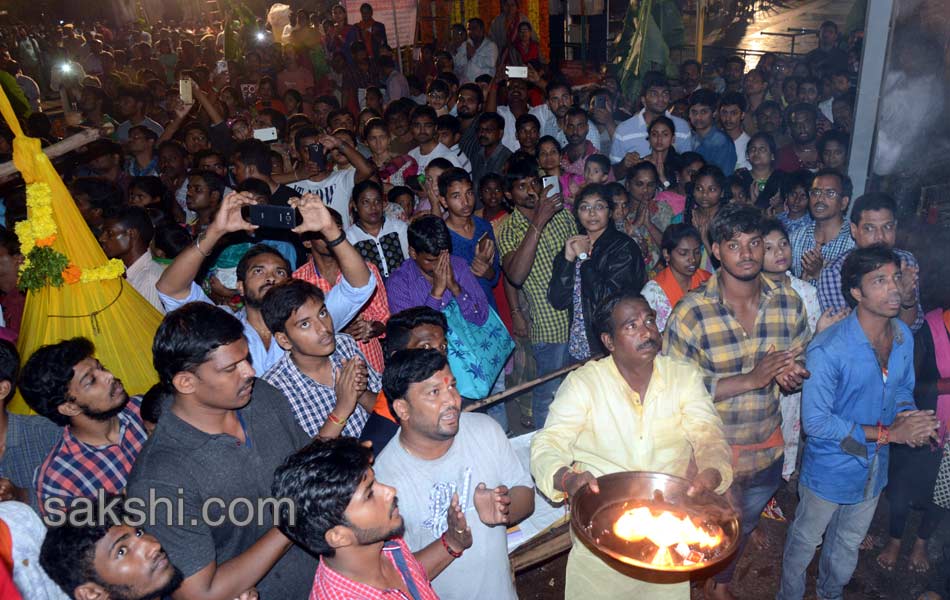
(259, 270)
(334, 187)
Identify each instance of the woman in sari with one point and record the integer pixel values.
(682, 250)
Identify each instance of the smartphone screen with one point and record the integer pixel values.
(516, 72)
(184, 91)
(265, 215)
(267, 134)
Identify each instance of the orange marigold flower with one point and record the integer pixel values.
(72, 274)
(47, 241)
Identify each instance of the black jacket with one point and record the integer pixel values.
(615, 264)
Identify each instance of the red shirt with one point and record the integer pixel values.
(330, 585)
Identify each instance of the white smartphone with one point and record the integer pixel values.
(516, 72)
(266, 134)
(553, 182)
(184, 91)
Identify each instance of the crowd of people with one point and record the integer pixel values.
(742, 321)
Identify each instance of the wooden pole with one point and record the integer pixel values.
(58, 149)
(523, 386)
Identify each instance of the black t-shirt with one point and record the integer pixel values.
(282, 195)
(189, 467)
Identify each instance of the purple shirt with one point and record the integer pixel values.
(407, 287)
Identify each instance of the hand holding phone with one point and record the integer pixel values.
(266, 134)
(553, 182)
(185, 91)
(266, 215)
(317, 156)
(516, 72)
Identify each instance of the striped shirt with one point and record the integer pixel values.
(311, 401)
(803, 240)
(703, 330)
(830, 294)
(548, 325)
(330, 585)
(75, 469)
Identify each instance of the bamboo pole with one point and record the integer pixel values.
(527, 385)
(58, 149)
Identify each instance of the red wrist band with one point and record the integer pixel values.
(448, 549)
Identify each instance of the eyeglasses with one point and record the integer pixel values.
(816, 193)
(591, 208)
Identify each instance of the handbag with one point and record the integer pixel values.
(476, 353)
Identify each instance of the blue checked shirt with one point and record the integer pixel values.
(803, 240)
(831, 296)
(312, 402)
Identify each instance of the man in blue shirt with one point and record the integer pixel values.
(261, 268)
(857, 401)
(707, 139)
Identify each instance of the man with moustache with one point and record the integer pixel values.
(262, 267)
(745, 333)
(630, 411)
(351, 520)
(858, 401)
(102, 429)
(552, 114)
(820, 243)
(492, 155)
(442, 460)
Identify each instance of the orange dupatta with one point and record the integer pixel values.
(671, 287)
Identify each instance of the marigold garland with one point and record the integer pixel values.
(43, 265)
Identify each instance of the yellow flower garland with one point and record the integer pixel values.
(39, 232)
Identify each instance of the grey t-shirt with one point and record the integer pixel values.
(480, 454)
(189, 466)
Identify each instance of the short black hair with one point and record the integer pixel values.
(556, 84)
(256, 153)
(847, 187)
(527, 119)
(400, 325)
(704, 97)
(68, 553)
(188, 335)
(255, 251)
(653, 79)
(406, 367)
(148, 133)
(281, 301)
(319, 480)
(796, 179)
(676, 233)
(859, 263)
(872, 201)
(521, 168)
(603, 314)
(423, 110)
(576, 111)
(175, 146)
(430, 234)
(138, 93)
(734, 219)
(397, 191)
(254, 186)
(171, 239)
(475, 89)
(493, 116)
(44, 381)
(303, 133)
(450, 176)
(600, 160)
(733, 99)
(438, 86)
(770, 224)
(9, 365)
(448, 123)
(136, 217)
(103, 194)
(803, 107)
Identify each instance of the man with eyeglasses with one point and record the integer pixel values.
(631, 140)
(829, 237)
(874, 224)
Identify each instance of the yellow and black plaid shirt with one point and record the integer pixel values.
(703, 329)
(548, 324)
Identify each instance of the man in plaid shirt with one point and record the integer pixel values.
(819, 243)
(745, 333)
(874, 223)
(102, 430)
(529, 240)
(324, 376)
(352, 521)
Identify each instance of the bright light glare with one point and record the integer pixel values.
(66, 68)
(261, 36)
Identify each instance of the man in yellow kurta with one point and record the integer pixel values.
(630, 411)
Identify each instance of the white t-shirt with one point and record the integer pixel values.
(440, 151)
(336, 191)
(480, 453)
(741, 142)
(509, 139)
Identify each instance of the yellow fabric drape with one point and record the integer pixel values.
(118, 320)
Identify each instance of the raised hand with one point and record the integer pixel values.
(492, 504)
(547, 207)
(576, 245)
(908, 283)
(440, 281)
(228, 218)
(631, 159)
(315, 216)
(348, 387)
(830, 317)
(360, 329)
(812, 261)
(459, 534)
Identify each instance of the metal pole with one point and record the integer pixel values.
(877, 27)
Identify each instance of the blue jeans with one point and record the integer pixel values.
(843, 527)
(752, 494)
(549, 358)
(499, 410)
